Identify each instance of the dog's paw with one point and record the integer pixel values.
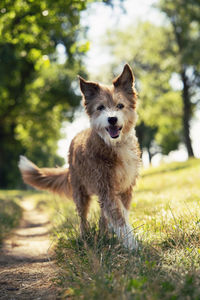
(130, 242)
(125, 234)
(128, 238)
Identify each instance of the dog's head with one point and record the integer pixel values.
(111, 109)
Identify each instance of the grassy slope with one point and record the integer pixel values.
(166, 217)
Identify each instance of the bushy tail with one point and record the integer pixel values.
(56, 180)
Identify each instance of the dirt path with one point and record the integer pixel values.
(26, 264)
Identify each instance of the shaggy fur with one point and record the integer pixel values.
(103, 160)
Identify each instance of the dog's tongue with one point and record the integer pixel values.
(113, 131)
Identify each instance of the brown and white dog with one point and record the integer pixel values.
(103, 160)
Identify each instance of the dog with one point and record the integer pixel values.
(103, 160)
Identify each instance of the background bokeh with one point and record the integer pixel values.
(45, 44)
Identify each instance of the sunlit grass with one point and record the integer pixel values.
(165, 215)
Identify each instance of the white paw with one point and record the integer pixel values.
(125, 234)
(128, 238)
(130, 242)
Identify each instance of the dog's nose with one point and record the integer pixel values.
(112, 120)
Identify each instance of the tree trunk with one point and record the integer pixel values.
(150, 155)
(187, 113)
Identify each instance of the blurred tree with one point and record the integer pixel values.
(36, 92)
(160, 109)
(146, 137)
(184, 18)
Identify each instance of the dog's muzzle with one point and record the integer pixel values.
(114, 131)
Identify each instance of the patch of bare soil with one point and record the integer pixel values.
(26, 263)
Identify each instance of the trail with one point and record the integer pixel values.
(26, 263)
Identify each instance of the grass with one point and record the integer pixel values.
(165, 215)
(10, 211)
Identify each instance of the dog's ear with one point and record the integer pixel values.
(89, 89)
(125, 80)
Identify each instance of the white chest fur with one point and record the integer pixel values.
(128, 169)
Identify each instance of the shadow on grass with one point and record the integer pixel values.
(99, 267)
(25, 285)
(9, 260)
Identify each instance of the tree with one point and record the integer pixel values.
(160, 107)
(146, 136)
(36, 92)
(184, 18)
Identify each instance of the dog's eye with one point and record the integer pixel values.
(101, 107)
(120, 105)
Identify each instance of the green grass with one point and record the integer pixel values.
(10, 211)
(165, 213)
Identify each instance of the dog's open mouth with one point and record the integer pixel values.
(114, 131)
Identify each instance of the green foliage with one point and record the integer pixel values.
(35, 90)
(37, 93)
(184, 17)
(157, 53)
(160, 107)
(184, 21)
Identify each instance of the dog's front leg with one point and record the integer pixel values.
(117, 217)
